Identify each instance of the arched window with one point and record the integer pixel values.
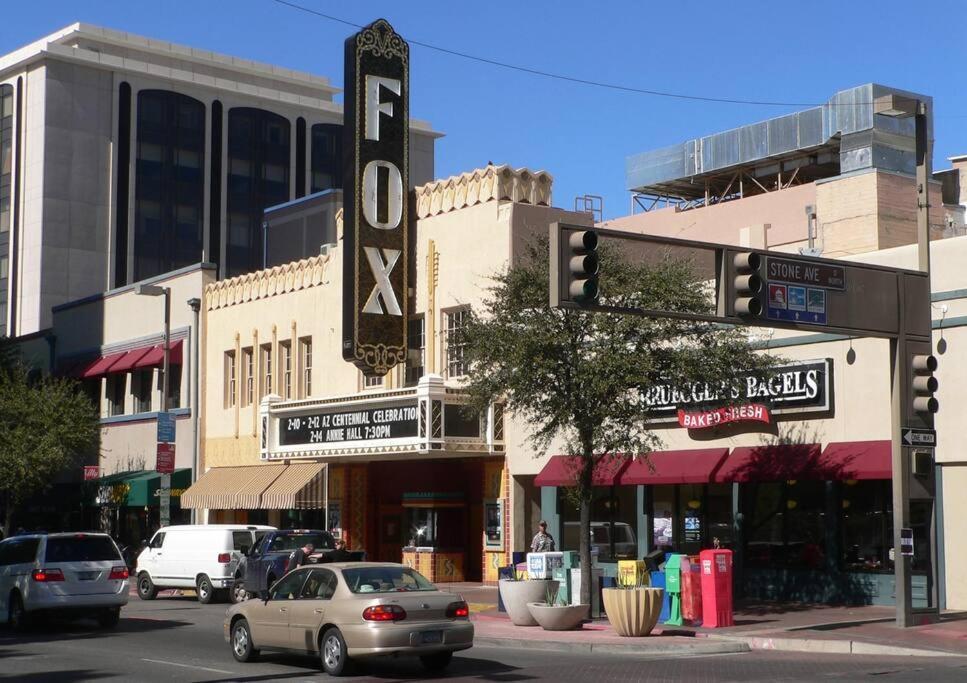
(170, 183)
(258, 177)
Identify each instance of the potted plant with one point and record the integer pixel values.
(633, 605)
(555, 615)
(518, 591)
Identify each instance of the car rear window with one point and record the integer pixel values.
(385, 580)
(241, 539)
(81, 549)
(293, 541)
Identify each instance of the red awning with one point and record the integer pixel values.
(696, 466)
(778, 462)
(101, 365)
(561, 470)
(130, 360)
(155, 356)
(860, 459)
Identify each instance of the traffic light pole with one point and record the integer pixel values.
(901, 481)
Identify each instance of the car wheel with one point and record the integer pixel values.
(109, 618)
(436, 662)
(332, 652)
(206, 593)
(146, 588)
(16, 614)
(238, 593)
(242, 647)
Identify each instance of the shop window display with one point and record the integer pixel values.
(785, 525)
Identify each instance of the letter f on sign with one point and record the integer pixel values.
(383, 288)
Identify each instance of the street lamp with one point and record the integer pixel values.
(899, 106)
(154, 290)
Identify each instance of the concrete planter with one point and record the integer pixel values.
(516, 595)
(558, 617)
(633, 611)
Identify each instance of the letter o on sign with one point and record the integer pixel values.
(394, 198)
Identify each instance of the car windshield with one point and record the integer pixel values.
(293, 541)
(81, 549)
(385, 580)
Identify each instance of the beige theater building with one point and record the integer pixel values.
(294, 435)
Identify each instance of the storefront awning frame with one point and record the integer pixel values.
(693, 466)
(561, 470)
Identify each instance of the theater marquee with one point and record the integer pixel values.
(376, 211)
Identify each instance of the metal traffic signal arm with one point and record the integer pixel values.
(773, 289)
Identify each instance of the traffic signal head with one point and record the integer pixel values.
(924, 384)
(748, 284)
(582, 278)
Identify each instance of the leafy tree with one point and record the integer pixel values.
(579, 379)
(46, 425)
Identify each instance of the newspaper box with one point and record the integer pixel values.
(632, 573)
(692, 590)
(542, 565)
(716, 588)
(673, 586)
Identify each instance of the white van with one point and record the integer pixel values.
(199, 556)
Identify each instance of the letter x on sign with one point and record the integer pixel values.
(383, 288)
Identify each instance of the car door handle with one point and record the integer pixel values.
(318, 611)
(282, 609)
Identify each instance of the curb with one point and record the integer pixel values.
(663, 649)
(843, 647)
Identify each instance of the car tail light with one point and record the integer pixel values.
(458, 610)
(47, 575)
(118, 574)
(384, 613)
(224, 558)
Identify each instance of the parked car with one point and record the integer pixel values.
(200, 556)
(70, 574)
(352, 610)
(266, 561)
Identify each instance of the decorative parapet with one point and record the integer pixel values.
(491, 183)
(263, 284)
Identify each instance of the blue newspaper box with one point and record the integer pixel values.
(658, 581)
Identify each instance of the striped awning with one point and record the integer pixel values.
(259, 487)
(300, 487)
(230, 488)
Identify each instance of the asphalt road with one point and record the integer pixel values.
(177, 639)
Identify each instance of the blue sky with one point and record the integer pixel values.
(786, 52)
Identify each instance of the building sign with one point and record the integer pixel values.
(166, 458)
(798, 387)
(352, 424)
(376, 210)
(752, 412)
(92, 472)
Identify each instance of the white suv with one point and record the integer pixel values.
(75, 574)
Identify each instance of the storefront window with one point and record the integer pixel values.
(866, 528)
(785, 527)
(613, 523)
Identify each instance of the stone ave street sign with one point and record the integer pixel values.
(375, 191)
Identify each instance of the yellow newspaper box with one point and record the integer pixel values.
(632, 573)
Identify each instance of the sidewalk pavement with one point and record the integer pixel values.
(789, 627)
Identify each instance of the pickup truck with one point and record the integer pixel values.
(264, 563)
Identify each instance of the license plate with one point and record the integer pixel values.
(431, 637)
(87, 576)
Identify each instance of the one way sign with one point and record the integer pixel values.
(919, 437)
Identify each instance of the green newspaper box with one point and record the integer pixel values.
(673, 585)
(562, 575)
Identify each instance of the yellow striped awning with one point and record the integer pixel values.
(230, 488)
(300, 487)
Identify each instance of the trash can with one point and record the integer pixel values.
(673, 586)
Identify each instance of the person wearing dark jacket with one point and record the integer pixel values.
(298, 557)
(340, 554)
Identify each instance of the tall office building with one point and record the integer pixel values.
(123, 158)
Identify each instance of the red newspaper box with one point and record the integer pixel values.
(692, 590)
(716, 588)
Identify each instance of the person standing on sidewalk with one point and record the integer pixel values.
(543, 542)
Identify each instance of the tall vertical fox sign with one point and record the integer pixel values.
(375, 211)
